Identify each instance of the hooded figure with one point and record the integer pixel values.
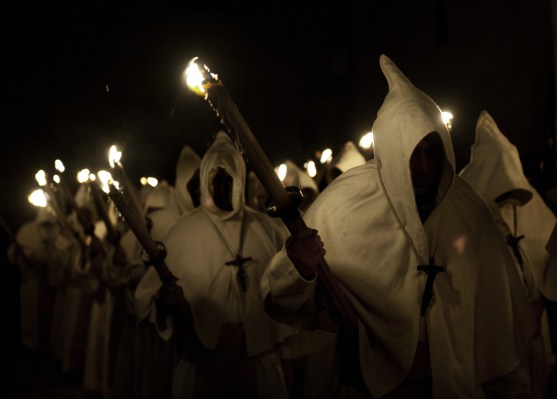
(525, 221)
(186, 189)
(348, 158)
(384, 222)
(218, 252)
(30, 254)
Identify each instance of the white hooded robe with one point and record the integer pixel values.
(374, 241)
(495, 169)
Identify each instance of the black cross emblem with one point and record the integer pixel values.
(431, 270)
(239, 262)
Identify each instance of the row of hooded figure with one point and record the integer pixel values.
(442, 278)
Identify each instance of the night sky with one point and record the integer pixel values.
(77, 79)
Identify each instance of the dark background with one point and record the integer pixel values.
(305, 77)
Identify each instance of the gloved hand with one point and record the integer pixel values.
(306, 250)
(168, 298)
(170, 294)
(119, 258)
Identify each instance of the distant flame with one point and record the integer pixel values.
(114, 156)
(38, 198)
(152, 181)
(366, 141)
(59, 166)
(83, 175)
(281, 171)
(326, 155)
(92, 177)
(106, 180)
(447, 119)
(56, 179)
(40, 177)
(310, 168)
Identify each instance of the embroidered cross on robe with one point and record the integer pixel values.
(239, 263)
(431, 270)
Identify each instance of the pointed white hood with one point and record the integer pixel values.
(405, 118)
(161, 196)
(188, 163)
(495, 169)
(374, 241)
(295, 176)
(224, 154)
(348, 158)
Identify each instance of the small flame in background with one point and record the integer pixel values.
(83, 175)
(38, 198)
(114, 156)
(366, 142)
(152, 181)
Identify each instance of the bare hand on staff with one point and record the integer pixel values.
(306, 250)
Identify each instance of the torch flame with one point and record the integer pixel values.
(194, 76)
(152, 181)
(114, 156)
(366, 141)
(326, 155)
(40, 177)
(310, 168)
(447, 119)
(106, 180)
(281, 171)
(59, 166)
(83, 175)
(38, 198)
